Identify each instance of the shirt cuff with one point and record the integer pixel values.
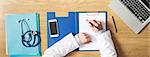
(78, 40)
(99, 32)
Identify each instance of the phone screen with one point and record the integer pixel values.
(53, 28)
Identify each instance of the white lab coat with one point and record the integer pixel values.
(70, 43)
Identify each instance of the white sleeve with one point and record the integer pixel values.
(62, 47)
(107, 48)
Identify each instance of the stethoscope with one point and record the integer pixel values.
(30, 38)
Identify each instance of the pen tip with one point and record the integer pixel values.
(112, 16)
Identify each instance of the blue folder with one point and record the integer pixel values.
(66, 25)
(13, 34)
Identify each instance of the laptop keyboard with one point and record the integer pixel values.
(137, 9)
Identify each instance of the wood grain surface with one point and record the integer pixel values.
(128, 44)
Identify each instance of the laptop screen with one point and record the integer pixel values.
(147, 3)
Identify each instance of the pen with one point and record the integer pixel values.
(114, 24)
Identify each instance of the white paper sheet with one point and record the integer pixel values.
(84, 27)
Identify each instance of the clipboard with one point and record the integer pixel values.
(85, 27)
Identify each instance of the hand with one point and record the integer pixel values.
(95, 25)
(84, 38)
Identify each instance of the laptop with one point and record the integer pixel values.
(135, 13)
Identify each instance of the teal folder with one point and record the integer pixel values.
(14, 32)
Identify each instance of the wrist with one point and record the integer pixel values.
(78, 40)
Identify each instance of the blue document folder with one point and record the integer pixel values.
(66, 25)
(14, 32)
(69, 24)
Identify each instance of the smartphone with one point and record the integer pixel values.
(53, 28)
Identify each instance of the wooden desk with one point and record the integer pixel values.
(128, 44)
